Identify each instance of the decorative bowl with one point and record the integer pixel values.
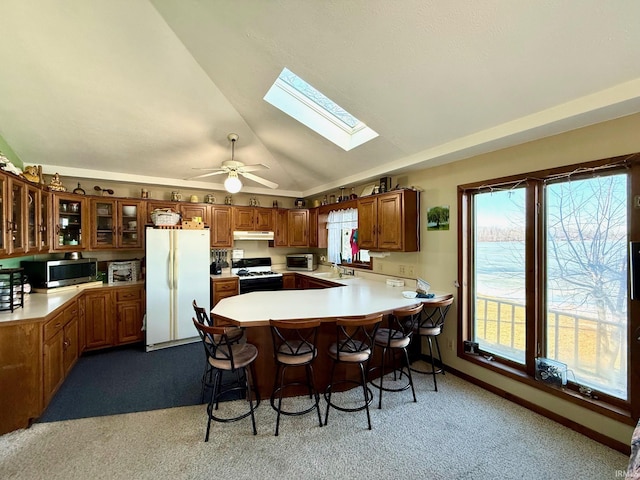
(409, 294)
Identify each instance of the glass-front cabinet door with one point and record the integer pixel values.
(103, 225)
(16, 217)
(116, 223)
(33, 219)
(44, 214)
(68, 212)
(3, 212)
(130, 223)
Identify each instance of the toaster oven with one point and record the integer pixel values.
(305, 262)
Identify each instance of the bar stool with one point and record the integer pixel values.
(225, 356)
(354, 346)
(235, 335)
(430, 326)
(294, 345)
(397, 336)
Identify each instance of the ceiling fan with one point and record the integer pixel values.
(232, 168)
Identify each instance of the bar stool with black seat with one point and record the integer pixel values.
(430, 326)
(353, 346)
(294, 345)
(235, 335)
(396, 337)
(226, 356)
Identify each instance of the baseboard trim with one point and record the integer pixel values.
(587, 432)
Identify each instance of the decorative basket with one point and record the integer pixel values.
(164, 217)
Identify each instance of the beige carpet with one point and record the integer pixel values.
(460, 432)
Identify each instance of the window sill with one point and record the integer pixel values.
(601, 407)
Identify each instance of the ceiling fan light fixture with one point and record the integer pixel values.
(232, 184)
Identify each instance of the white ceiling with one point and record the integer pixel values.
(145, 90)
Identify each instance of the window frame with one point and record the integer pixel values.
(623, 410)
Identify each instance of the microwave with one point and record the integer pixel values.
(301, 261)
(60, 273)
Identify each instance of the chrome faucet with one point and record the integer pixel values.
(347, 271)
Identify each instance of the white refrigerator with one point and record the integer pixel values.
(177, 272)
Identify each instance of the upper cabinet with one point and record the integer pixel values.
(71, 221)
(116, 223)
(389, 221)
(298, 228)
(313, 227)
(257, 219)
(16, 216)
(281, 234)
(38, 209)
(221, 235)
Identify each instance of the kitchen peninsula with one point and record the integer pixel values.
(351, 296)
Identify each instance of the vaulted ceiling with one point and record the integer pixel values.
(146, 90)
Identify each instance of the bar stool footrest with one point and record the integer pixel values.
(345, 409)
(314, 405)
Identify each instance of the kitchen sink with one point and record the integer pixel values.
(332, 276)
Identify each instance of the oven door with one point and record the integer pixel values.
(260, 284)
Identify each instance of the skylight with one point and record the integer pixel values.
(309, 106)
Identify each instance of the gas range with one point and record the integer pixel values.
(255, 274)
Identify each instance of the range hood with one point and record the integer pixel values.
(253, 235)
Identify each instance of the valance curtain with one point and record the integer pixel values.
(339, 222)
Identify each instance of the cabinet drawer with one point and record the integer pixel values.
(129, 294)
(53, 326)
(71, 312)
(222, 286)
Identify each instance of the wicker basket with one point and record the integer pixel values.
(164, 217)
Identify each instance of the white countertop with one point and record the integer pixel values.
(358, 296)
(39, 305)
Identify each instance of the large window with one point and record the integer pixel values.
(544, 264)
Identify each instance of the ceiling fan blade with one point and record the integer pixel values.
(261, 180)
(254, 167)
(209, 169)
(207, 174)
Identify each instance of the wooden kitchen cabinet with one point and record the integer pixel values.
(4, 224)
(16, 216)
(116, 223)
(190, 210)
(220, 231)
(304, 282)
(298, 228)
(21, 374)
(313, 227)
(288, 281)
(129, 314)
(113, 316)
(60, 349)
(389, 221)
(71, 222)
(98, 311)
(223, 288)
(281, 234)
(38, 209)
(250, 219)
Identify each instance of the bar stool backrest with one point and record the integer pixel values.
(201, 315)
(355, 335)
(294, 338)
(216, 343)
(404, 321)
(435, 314)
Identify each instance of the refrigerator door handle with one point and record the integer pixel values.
(176, 272)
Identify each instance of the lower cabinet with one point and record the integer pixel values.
(113, 316)
(289, 281)
(223, 288)
(304, 282)
(60, 349)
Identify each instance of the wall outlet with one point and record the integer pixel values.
(411, 271)
(450, 344)
(402, 270)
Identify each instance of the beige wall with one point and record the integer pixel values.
(437, 260)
